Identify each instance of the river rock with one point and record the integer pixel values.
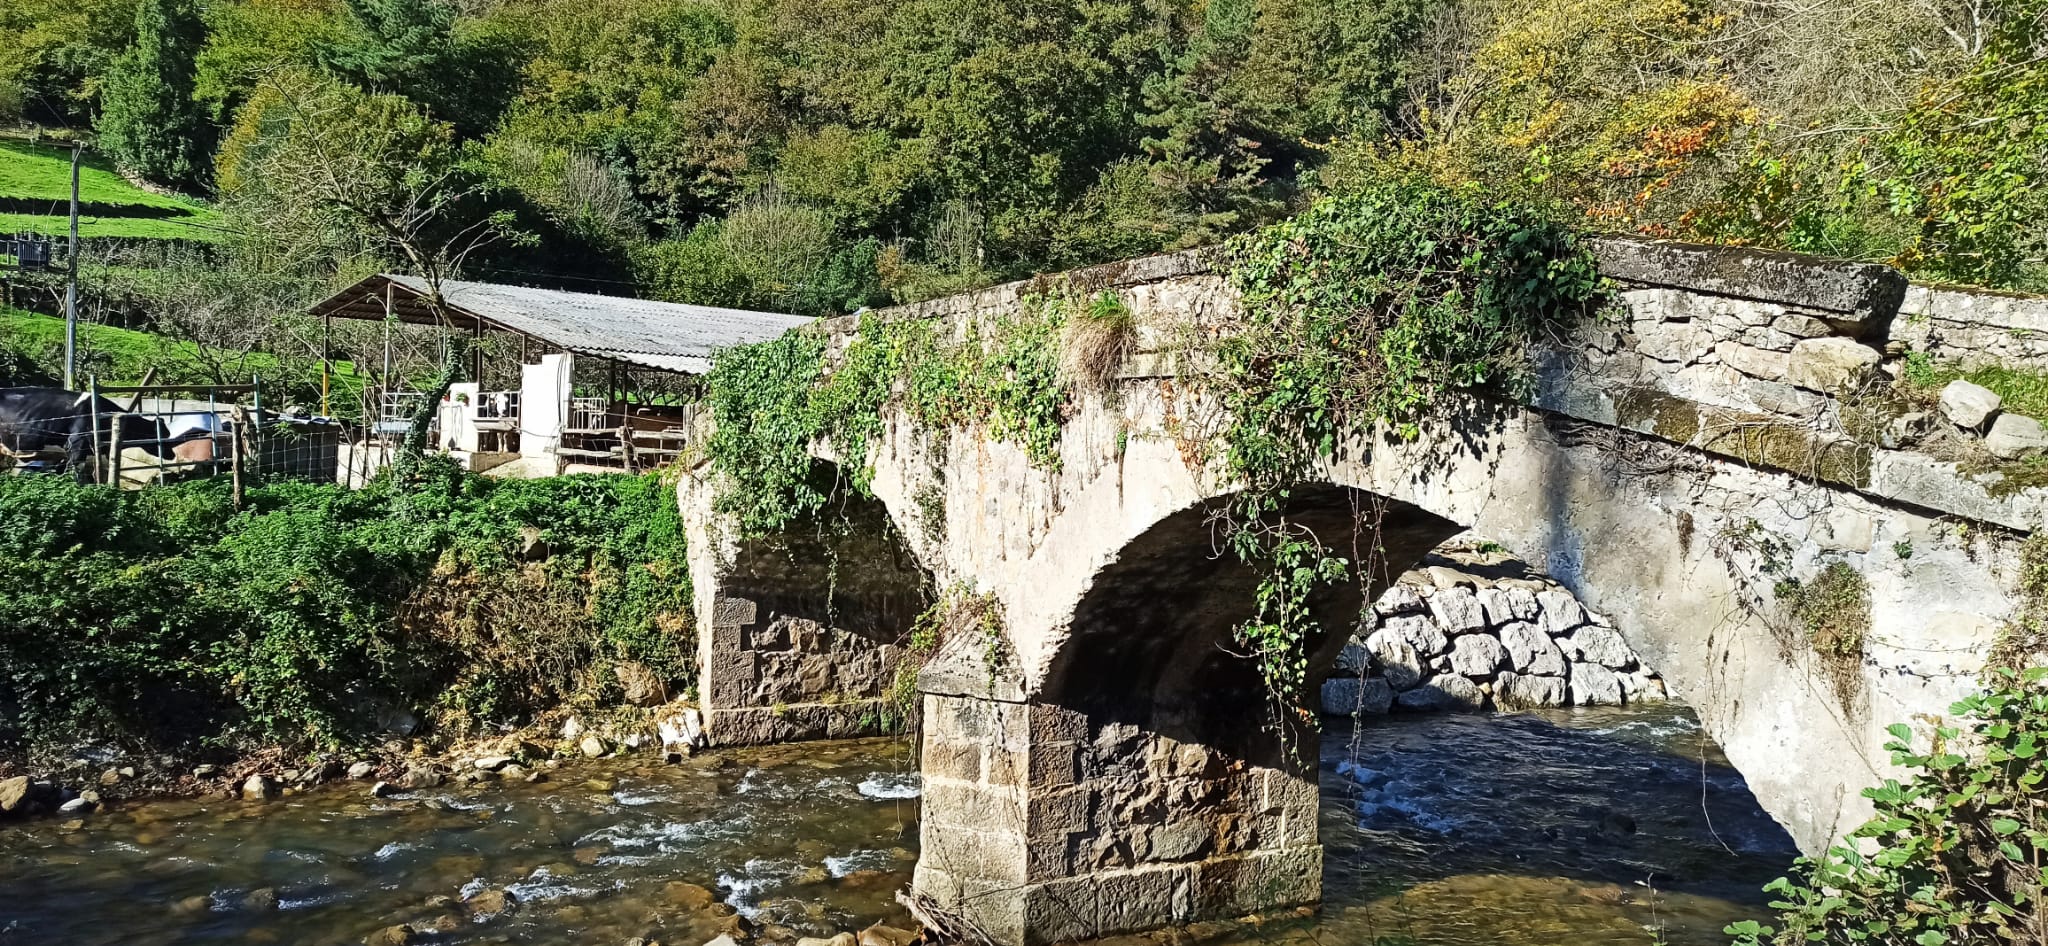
(722, 939)
(1968, 405)
(492, 763)
(595, 745)
(1344, 696)
(2013, 437)
(1594, 685)
(1354, 658)
(1528, 691)
(843, 939)
(383, 790)
(1599, 645)
(879, 935)
(491, 902)
(642, 686)
(1421, 633)
(260, 900)
(205, 771)
(1503, 604)
(400, 935)
(1397, 660)
(684, 727)
(76, 806)
(1477, 655)
(1558, 611)
(1457, 611)
(422, 776)
(1530, 650)
(17, 796)
(1642, 686)
(1400, 599)
(259, 788)
(690, 896)
(361, 770)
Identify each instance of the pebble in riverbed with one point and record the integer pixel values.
(1472, 629)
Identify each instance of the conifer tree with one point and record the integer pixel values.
(149, 123)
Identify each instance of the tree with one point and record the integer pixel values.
(418, 49)
(149, 122)
(330, 170)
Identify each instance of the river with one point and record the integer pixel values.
(1588, 827)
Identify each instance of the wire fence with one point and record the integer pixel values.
(138, 436)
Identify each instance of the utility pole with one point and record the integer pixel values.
(71, 282)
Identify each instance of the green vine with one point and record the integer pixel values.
(1369, 308)
(774, 399)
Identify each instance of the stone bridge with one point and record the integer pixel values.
(1099, 760)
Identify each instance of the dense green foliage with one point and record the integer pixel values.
(166, 619)
(1955, 850)
(823, 155)
(774, 400)
(149, 121)
(1369, 309)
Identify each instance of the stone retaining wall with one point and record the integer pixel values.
(1976, 327)
(1471, 630)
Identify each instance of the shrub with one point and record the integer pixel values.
(1955, 850)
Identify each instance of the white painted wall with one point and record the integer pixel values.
(544, 404)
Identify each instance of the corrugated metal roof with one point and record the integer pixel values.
(669, 336)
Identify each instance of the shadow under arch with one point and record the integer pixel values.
(845, 567)
(804, 636)
(1151, 644)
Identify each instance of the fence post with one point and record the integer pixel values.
(241, 418)
(626, 446)
(114, 451)
(92, 407)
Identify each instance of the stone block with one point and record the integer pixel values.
(973, 806)
(1478, 656)
(1504, 604)
(1457, 611)
(1421, 633)
(1558, 611)
(1237, 885)
(966, 853)
(1146, 898)
(1798, 325)
(1061, 911)
(1443, 692)
(1349, 696)
(955, 760)
(771, 636)
(1594, 685)
(1049, 723)
(1182, 840)
(732, 612)
(1053, 764)
(1599, 645)
(1968, 405)
(1528, 691)
(1065, 811)
(1530, 651)
(1857, 297)
(2013, 437)
(1400, 599)
(1832, 365)
(1395, 659)
(1354, 658)
(1755, 362)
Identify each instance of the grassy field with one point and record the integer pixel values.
(33, 174)
(122, 356)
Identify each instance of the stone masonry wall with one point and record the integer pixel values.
(1471, 629)
(1975, 328)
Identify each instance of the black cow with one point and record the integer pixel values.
(36, 419)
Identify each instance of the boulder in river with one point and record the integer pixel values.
(361, 770)
(595, 745)
(400, 935)
(259, 788)
(21, 796)
(879, 935)
(490, 902)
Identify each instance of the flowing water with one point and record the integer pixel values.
(1583, 827)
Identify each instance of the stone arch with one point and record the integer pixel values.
(1150, 644)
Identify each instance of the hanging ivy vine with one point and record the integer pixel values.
(1368, 309)
(774, 399)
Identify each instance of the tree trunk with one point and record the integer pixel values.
(414, 447)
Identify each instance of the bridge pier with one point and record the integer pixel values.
(1043, 825)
